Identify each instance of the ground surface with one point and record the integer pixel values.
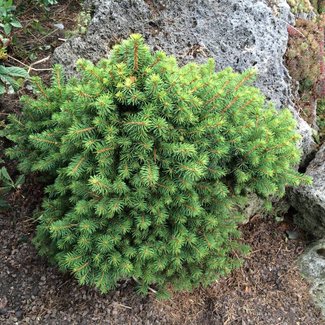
(266, 290)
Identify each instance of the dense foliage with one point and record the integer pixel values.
(8, 19)
(306, 6)
(148, 162)
(11, 78)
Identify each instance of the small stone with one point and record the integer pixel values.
(3, 311)
(292, 235)
(35, 291)
(59, 26)
(3, 302)
(19, 314)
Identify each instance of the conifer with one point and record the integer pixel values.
(147, 163)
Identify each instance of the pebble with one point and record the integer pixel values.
(3, 311)
(19, 314)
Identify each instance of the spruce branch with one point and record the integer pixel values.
(149, 165)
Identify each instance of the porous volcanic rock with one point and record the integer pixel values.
(237, 33)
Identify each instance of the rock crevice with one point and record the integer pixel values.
(309, 201)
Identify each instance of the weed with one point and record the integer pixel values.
(7, 184)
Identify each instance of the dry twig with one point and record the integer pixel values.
(30, 67)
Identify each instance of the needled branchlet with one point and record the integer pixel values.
(147, 163)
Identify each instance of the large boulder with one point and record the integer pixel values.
(237, 33)
(309, 201)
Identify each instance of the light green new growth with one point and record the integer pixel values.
(149, 162)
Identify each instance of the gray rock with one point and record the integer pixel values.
(254, 206)
(309, 201)
(237, 33)
(19, 314)
(312, 266)
(3, 311)
(307, 144)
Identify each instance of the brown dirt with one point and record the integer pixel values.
(267, 289)
(41, 34)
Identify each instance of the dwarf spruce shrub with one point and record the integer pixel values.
(148, 163)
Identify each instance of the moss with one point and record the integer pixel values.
(319, 5)
(305, 6)
(300, 6)
(303, 59)
(321, 118)
(303, 55)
